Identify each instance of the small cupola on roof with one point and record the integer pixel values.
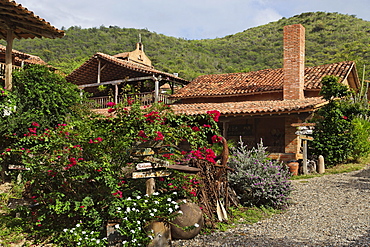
(137, 56)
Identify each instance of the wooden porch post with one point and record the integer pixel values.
(116, 94)
(98, 80)
(9, 59)
(156, 89)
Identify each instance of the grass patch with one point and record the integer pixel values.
(341, 168)
(242, 215)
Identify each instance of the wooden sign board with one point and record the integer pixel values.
(18, 167)
(157, 162)
(143, 152)
(151, 174)
(304, 132)
(143, 166)
(302, 124)
(308, 138)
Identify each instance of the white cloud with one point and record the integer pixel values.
(192, 19)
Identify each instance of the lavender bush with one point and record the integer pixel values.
(258, 180)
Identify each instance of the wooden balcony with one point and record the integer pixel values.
(144, 98)
(2, 70)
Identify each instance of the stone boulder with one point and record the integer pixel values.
(192, 216)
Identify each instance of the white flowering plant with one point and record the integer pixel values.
(82, 237)
(134, 214)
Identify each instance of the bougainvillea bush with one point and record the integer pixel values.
(80, 173)
(258, 180)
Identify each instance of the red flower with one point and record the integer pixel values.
(142, 134)
(153, 116)
(130, 101)
(159, 137)
(82, 206)
(110, 110)
(195, 128)
(168, 156)
(111, 104)
(207, 126)
(118, 194)
(35, 124)
(214, 114)
(216, 139)
(344, 117)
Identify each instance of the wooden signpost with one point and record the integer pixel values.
(303, 131)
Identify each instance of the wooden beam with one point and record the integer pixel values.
(9, 59)
(116, 82)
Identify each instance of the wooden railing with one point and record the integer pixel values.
(144, 98)
(2, 69)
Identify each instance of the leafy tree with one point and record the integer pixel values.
(338, 133)
(43, 96)
(39, 95)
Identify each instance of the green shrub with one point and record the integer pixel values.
(81, 173)
(361, 132)
(258, 180)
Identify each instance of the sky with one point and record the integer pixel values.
(188, 19)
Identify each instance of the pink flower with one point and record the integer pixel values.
(111, 104)
(82, 206)
(195, 128)
(207, 126)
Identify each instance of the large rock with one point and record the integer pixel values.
(192, 217)
(161, 234)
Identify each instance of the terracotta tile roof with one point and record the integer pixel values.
(114, 69)
(20, 56)
(268, 80)
(251, 107)
(27, 24)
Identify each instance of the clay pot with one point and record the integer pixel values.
(293, 167)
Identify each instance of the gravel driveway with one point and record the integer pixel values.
(333, 210)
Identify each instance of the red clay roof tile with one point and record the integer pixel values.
(268, 80)
(251, 107)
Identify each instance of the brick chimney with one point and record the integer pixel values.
(294, 53)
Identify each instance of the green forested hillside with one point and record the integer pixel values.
(330, 37)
